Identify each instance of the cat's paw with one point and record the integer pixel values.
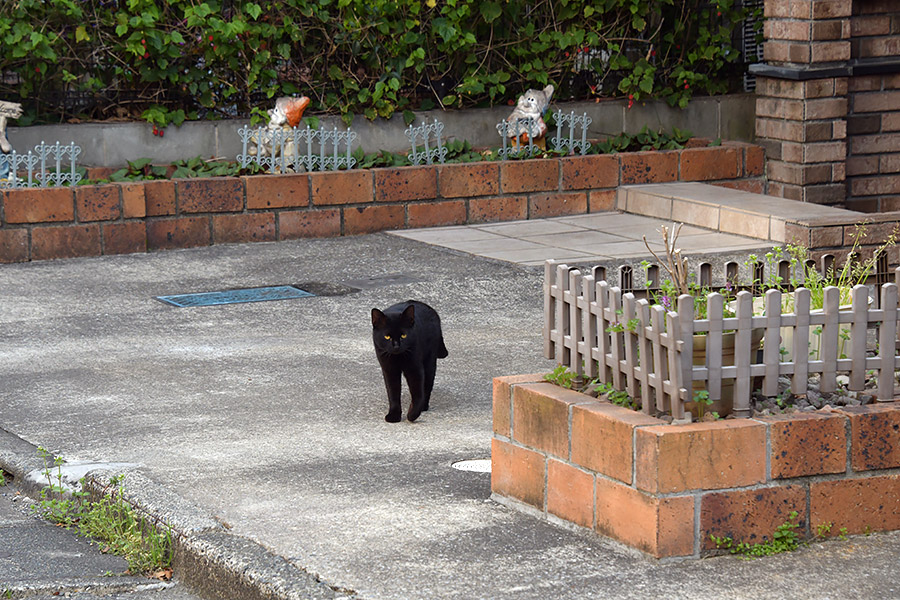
(413, 414)
(393, 417)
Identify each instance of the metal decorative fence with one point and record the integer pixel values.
(432, 144)
(571, 142)
(571, 135)
(511, 132)
(47, 166)
(296, 149)
(650, 353)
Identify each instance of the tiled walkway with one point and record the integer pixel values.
(582, 238)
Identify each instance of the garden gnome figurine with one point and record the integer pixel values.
(286, 115)
(532, 104)
(8, 110)
(287, 112)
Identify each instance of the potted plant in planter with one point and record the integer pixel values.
(681, 283)
(855, 271)
(801, 272)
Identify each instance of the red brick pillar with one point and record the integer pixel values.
(802, 105)
(873, 126)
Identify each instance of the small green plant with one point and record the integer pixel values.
(630, 325)
(57, 503)
(617, 397)
(781, 398)
(803, 273)
(842, 533)
(679, 281)
(562, 377)
(143, 169)
(645, 139)
(122, 531)
(702, 401)
(784, 539)
(111, 521)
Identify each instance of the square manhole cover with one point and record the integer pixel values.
(259, 294)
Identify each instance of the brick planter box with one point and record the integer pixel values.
(664, 489)
(131, 217)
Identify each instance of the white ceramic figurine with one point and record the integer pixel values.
(533, 104)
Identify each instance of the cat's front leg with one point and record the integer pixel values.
(391, 375)
(415, 379)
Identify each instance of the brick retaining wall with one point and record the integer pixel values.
(664, 489)
(119, 218)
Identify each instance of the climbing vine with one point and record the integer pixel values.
(185, 59)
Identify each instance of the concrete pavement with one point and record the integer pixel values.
(257, 429)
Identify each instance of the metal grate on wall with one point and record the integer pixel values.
(751, 48)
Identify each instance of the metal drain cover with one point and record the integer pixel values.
(260, 294)
(475, 465)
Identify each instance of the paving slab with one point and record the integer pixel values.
(268, 417)
(578, 239)
(531, 228)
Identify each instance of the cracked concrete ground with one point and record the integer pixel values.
(269, 416)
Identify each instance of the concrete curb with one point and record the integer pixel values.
(208, 559)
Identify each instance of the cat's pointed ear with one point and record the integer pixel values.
(379, 321)
(409, 315)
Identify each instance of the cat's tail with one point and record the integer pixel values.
(442, 349)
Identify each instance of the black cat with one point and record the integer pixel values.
(408, 340)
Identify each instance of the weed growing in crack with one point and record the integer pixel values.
(112, 522)
(785, 539)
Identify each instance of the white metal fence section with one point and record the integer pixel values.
(47, 166)
(600, 333)
(431, 152)
(296, 149)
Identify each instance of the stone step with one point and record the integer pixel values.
(731, 211)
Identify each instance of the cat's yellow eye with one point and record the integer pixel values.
(403, 336)
(387, 337)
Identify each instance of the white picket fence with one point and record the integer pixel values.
(600, 333)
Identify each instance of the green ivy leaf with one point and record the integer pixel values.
(490, 11)
(253, 9)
